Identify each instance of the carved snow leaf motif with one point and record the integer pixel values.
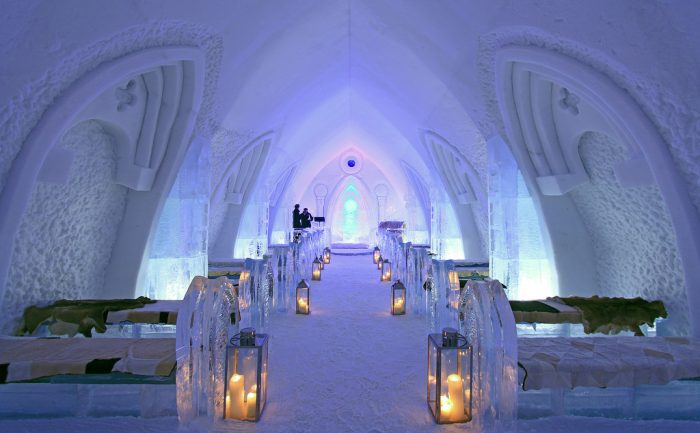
(126, 96)
(569, 101)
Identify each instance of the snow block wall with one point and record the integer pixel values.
(633, 239)
(66, 237)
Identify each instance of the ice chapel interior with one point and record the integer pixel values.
(498, 221)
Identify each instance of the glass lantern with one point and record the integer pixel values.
(398, 298)
(449, 377)
(386, 271)
(321, 261)
(326, 255)
(376, 255)
(246, 376)
(303, 301)
(316, 270)
(380, 262)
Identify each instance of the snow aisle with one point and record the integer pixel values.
(348, 367)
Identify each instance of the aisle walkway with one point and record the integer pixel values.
(349, 366)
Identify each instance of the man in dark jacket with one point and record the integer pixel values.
(296, 217)
(306, 218)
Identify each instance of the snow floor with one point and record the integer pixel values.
(347, 367)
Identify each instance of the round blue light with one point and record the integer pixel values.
(351, 163)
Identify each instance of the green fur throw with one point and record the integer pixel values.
(612, 315)
(73, 316)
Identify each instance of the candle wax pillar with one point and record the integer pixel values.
(455, 391)
(234, 400)
(252, 397)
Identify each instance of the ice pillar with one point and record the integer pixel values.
(518, 257)
(179, 248)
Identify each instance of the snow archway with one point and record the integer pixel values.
(549, 101)
(164, 86)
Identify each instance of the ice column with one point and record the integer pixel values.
(518, 257)
(446, 239)
(178, 251)
(251, 240)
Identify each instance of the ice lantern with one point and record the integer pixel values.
(449, 377)
(316, 270)
(326, 255)
(386, 271)
(303, 301)
(376, 255)
(398, 298)
(246, 376)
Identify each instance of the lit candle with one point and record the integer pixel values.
(398, 305)
(303, 306)
(455, 391)
(445, 406)
(252, 397)
(234, 399)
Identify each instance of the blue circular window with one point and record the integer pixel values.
(351, 163)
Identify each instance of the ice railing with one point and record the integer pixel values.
(291, 263)
(207, 318)
(480, 311)
(410, 264)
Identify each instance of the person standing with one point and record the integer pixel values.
(306, 218)
(296, 218)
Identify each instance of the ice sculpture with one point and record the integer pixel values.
(415, 276)
(518, 257)
(255, 294)
(487, 321)
(204, 324)
(431, 302)
(443, 312)
(281, 272)
(179, 247)
(507, 393)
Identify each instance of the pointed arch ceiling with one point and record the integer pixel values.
(370, 75)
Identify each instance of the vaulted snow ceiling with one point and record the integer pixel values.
(365, 77)
(133, 133)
